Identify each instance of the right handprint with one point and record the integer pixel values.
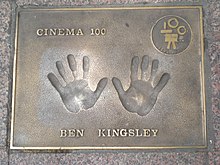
(141, 96)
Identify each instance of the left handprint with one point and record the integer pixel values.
(76, 95)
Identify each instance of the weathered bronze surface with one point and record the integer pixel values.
(109, 78)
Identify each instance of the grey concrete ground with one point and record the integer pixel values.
(212, 36)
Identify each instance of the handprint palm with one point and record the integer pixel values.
(141, 96)
(76, 95)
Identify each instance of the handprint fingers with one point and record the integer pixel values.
(161, 84)
(118, 86)
(85, 67)
(134, 68)
(55, 82)
(141, 96)
(72, 65)
(61, 71)
(76, 95)
(154, 68)
(144, 67)
(100, 87)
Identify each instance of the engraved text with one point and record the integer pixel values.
(71, 133)
(59, 32)
(145, 132)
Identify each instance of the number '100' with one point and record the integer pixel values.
(98, 32)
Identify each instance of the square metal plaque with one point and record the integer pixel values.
(109, 78)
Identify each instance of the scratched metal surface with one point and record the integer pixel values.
(40, 111)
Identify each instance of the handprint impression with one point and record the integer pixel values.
(76, 95)
(141, 95)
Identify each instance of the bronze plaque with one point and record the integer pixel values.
(109, 78)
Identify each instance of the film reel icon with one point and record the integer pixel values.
(181, 29)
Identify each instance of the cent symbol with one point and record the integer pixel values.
(141, 96)
(76, 95)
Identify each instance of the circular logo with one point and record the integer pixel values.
(171, 34)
